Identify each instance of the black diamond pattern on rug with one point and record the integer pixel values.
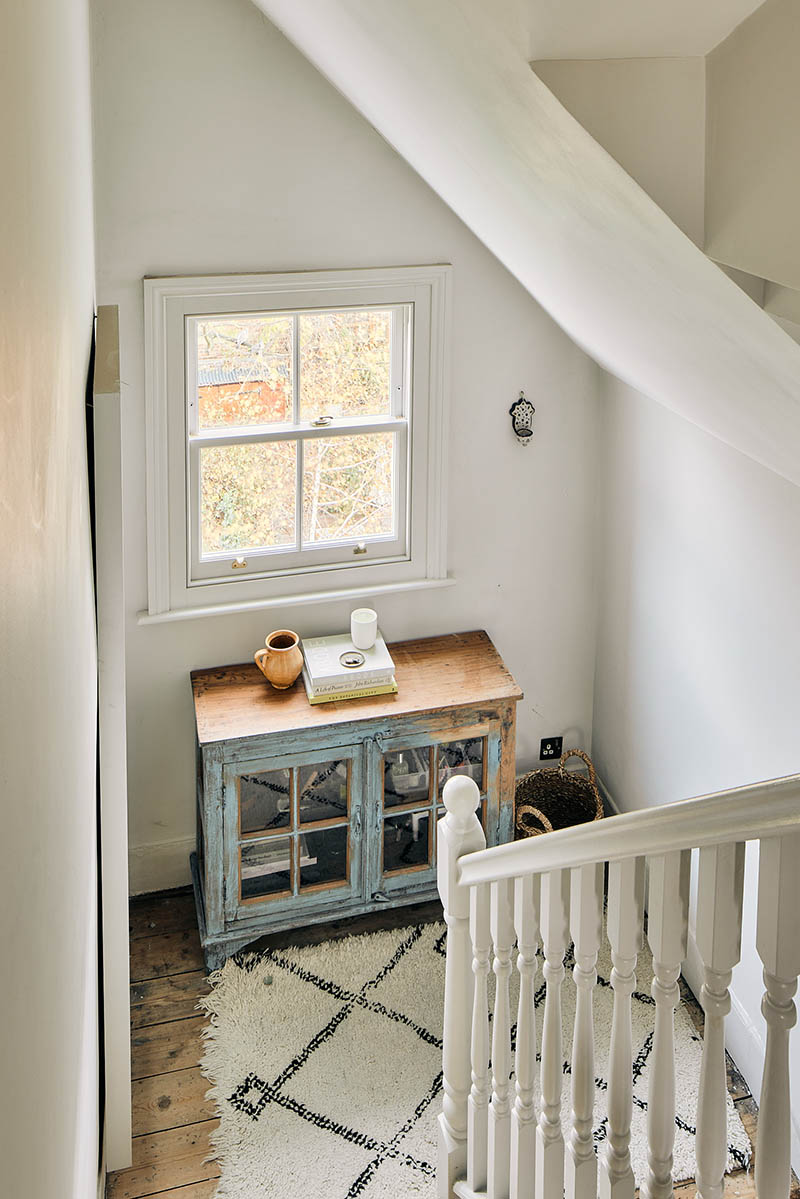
(311, 1084)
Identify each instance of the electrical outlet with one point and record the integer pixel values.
(550, 747)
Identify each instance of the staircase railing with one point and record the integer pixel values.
(552, 890)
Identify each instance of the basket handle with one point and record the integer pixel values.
(578, 753)
(528, 810)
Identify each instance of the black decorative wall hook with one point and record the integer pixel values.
(521, 413)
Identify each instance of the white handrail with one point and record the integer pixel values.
(757, 811)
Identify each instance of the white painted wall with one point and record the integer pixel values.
(48, 920)
(439, 83)
(650, 115)
(753, 160)
(632, 28)
(219, 148)
(698, 653)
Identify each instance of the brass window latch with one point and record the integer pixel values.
(238, 563)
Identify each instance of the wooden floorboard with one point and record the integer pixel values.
(173, 1120)
(195, 1190)
(164, 1160)
(161, 1048)
(170, 1101)
(162, 954)
(167, 912)
(175, 997)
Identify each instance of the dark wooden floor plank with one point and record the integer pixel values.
(162, 1048)
(737, 1084)
(165, 912)
(170, 1101)
(175, 997)
(195, 1190)
(159, 955)
(737, 1186)
(164, 1160)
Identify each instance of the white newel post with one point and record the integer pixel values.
(549, 1137)
(778, 943)
(478, 1107)
(718, 934)
(586, 926)
(624, 925)
(667, 933)
(459, 833)
(502, 926)
(523, 1117)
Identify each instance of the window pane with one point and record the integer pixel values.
(264, 801)
(323, 791)
(244, 371)
(323, 857)
(345, 363)
(461, 757)
(266, 867)
(405, 841)
(406, 776)
(348, 487)
(247, 496)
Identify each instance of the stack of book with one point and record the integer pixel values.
(333, 669)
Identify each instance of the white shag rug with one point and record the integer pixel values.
(325, 1064)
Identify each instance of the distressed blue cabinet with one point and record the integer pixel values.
(306, 814)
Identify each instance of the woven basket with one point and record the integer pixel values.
(556, 798)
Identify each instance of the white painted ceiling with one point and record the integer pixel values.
(631, 28)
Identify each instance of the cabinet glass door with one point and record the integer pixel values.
(293, 832)
(412, 778)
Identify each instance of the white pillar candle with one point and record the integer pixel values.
(363, 627)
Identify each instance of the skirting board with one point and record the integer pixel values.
(160, 866)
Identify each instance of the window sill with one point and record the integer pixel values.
(282, 601)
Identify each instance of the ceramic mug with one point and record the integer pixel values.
(363, 627)
(281, 660)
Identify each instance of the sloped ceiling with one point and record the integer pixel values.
(631, 28)
(442, 83)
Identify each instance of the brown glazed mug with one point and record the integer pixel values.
(281, 660)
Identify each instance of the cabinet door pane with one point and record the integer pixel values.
(461, 757)
(266, 867)
(406, 776)
(265, 801)
(323, 856)
(406, 841)
(324, 790)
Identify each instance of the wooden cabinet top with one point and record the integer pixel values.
(459, 670)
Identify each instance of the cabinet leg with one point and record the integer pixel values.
(214, 958)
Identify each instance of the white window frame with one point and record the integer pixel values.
(420, 297)
(205, 568)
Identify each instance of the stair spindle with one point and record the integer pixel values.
(523, 1116)
(458, 833)
(778, 944)
(499, 1149)
(667, 932)
(586, 926)
(718, 935)
(478, 1110)
(624, 925)
(549, 1137)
